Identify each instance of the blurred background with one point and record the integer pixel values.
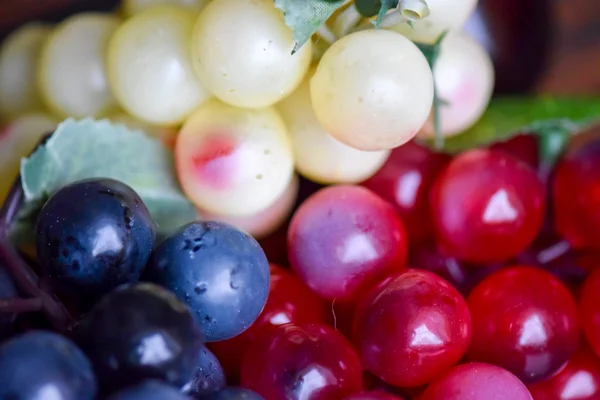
(547, 46)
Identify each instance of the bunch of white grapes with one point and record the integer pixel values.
(218, 82)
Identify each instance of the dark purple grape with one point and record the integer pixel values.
(220, 272)
(209, 376)
(43, 365)
(149, 390)
(232, 393)
(93, 236)
(8, 291)
(140, 332)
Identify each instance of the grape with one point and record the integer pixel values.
(267, 221)
(376, 395)
(297, 362)
(166, 135)
(72, 73)
(132, 7)
(372, 90)
(487, 206)
(149, 390)
(94, 235)
(289, 300)
(464, 79)
(19, 55)
(242, 51)
(411, 327)
(140, 332)
(209, 376)
(522, 146)
(318, 155)
(220, 272)
(530, 318)
(44, 365)
(575, 195)
(589, 305)
(405, 180)
(343, 239)
(444, 16)
(8, 291)
(150, 67)
(578, 380)
(233, 394)
(477, 381)
(17, 140)
(234, 161)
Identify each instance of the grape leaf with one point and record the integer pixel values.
(552, 119)
(94, 149)
(305, 17)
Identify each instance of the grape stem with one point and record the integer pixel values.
(40, 299)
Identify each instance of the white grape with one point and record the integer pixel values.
(267, 221)
(17, 140)
(242, 53)
(72, 72)
(234, 161)
(131, 7)
(464, 78)
(318, 155)
(19, 56)
(444, 16)
(165, 134)
(150, 66)
(372, 90)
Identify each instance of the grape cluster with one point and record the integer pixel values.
(335, 256)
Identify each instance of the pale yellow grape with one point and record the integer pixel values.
(372, 90)
(150, 66)
(165, 134)
(131, 7)
(318, 155)
(72, 74)
(267, 221)
(19, 56)
(242, 53)
(444, 15)
(234, 161)
(17, 140)
(464, 78)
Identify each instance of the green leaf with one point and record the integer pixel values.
(99, 149)
(305, 17)
(552, 119)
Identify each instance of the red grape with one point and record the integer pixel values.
(578, 380)
(375, 395)
(289, 301)
(411, 328)
(298, 362)
(523, 146)
(405, 181)
(524, 320)
(589, 303)
(576, 195)
(343, 239)
(477, 381)
(461, 275)
(487, 206)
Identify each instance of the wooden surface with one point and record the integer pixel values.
(574, 66)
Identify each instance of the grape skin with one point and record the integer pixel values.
(373, 90)
(19, 55)
(72, 73)
(131, 7)
(149, 390)
(464, 78)
(234, 161)
(444, 16)
(318, 155)
(44, 365)
(150, 66)
(242, 53)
